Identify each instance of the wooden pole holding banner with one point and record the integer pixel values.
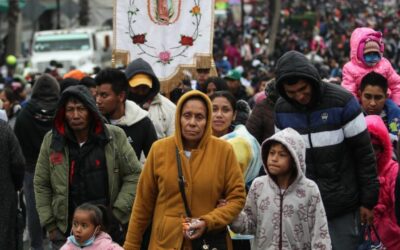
(172, 36)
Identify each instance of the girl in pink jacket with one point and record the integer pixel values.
(384, 211)
(366, 55)
(87, 233)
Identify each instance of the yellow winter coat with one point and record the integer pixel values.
(211, 173)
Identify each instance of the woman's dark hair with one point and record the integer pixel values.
(220, 83)
(176, 94)
(99, 214)
(228, 95)
(11, 96)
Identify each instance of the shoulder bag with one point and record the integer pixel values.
(209, 240)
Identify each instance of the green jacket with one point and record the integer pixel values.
(51, 182)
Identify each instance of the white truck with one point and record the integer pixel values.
(80, 48)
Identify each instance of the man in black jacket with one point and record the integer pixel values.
(33, 122)
(339, 155)
(111, 101)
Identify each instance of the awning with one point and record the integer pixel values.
(4, 5)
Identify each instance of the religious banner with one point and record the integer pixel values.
(171, 35)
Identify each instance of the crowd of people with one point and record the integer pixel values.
(293, 150)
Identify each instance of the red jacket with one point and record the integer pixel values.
(384, 213)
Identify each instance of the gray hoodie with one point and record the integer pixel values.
(285, 219)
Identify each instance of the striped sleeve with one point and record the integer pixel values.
(353, 119)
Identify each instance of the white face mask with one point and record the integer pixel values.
(86, 243)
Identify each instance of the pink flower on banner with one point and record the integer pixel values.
(165, 57)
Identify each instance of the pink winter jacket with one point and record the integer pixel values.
(356, 69)
(384, 214)
(103, 241)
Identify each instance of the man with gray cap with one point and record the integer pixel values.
(144, 88)
(33, 122)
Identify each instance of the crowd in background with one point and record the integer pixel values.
(250, 85)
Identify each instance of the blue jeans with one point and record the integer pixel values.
(345, 231)
(34, 227)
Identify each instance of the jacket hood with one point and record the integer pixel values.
(140, 66)
(133, 114)
(295, 64)
(178, 129)
(358, 38)
(378, 130)
(82, 93)
(294, 143)
(46, 92)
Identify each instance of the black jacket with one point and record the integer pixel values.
(261, 121)
(138, 128)
(36, 118)
(339, 155)
(11, 177)
(30, 128)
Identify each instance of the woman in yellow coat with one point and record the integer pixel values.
(211, 173)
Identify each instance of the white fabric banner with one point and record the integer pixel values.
(165, 33)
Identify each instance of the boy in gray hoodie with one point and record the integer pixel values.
(284, 209)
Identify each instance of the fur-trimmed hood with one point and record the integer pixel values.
(358, 39)
(377, 129)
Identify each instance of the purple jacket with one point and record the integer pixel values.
(384, 214)
(103, 241)
(356, 69)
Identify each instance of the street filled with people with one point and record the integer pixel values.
(295, 149)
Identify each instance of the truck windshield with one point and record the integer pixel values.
(61, 42)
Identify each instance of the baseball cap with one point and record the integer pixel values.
(140, 79)
(233, 75)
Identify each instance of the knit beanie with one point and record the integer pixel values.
(46, 91)
(371, 46)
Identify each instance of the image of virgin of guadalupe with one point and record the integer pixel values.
(164, 12)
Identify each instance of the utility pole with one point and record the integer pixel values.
(58, 14)
(13, 41)
(84, 12)
(242, 14)
(274, 27)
